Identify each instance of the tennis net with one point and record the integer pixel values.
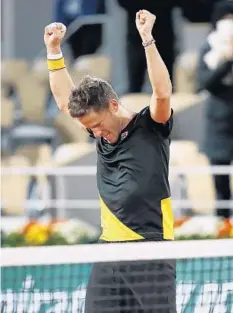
(130, 278)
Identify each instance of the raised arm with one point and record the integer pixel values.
(59, 78)
(160, 109)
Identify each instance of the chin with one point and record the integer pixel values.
(114, 139)
(111, 140)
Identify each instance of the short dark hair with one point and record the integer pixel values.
(91, 94)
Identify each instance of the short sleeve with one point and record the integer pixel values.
(162, 128)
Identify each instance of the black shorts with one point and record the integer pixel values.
(132, 287)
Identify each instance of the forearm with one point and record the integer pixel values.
(157, 71)
(61, 85)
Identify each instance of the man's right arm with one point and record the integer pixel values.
(60, 81)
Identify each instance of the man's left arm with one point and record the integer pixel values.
(160, 108)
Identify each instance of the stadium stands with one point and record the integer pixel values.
(14, 188)
(95, 65)
(37, 141)
(185, 72)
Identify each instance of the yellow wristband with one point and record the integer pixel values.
(54, 65)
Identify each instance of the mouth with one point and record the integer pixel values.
(107, 137)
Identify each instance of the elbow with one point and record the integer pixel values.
(163, 92)
(61, 103)
(163, 95)
(163, 98)
(63, 107)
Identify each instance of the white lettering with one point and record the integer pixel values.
(28, 283)
(225, 290)
(24, 296)
(183, 295)
(78, 299)
(7, 301)
(207, 298)
(210, 297)
(62, 305)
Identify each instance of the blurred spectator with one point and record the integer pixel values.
(215, 75)
(87, 39)
(163, 32)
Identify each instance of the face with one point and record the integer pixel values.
(105, 124)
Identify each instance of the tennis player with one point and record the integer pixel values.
(132, 175)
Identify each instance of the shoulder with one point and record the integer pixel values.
(163, 129)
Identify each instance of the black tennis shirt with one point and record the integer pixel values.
(132, 179)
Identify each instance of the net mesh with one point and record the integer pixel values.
(183, 277)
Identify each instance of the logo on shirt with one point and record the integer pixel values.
(124, 135)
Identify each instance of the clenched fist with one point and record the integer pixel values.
(53, 35)
(145, 22)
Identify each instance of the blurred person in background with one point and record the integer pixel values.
(193, 10)
(88, 38)
(215, 75)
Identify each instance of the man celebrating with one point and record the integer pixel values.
(132, 175)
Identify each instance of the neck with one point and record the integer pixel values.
(125, 117)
